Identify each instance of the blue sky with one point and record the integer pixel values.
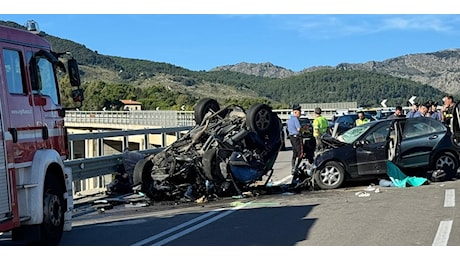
(215, 38)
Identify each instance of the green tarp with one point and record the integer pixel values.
(400, 180)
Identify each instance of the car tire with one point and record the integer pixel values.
(204, 106)
(210, 166)
(260, 118)
(142, 171)
(331, 176)
(448, 163)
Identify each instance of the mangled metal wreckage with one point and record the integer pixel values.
(224, 154)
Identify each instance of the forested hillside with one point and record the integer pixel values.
(107, 79)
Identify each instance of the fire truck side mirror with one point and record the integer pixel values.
(74, 73)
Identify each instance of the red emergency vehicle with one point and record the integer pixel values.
(35, 187)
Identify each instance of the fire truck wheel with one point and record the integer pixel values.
(53, 212)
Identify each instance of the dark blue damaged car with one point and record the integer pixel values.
(415, 145)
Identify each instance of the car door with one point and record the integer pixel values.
(372, 150)
(420, 136)
(455, 124)
(394, 140)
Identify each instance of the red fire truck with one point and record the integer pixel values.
(35, 187)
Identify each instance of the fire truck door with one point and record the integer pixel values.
(20, 120)
(47, 104)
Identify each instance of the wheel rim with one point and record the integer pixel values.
(263, 119)
(54, 210)
(444, 161)
(330, 176)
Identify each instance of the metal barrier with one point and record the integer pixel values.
(163, 118)
(94, 173)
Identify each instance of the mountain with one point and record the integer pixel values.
(439, 69)
(266, 69)
(427, 76)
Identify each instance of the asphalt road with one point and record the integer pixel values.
(413, 216)
(416, 216)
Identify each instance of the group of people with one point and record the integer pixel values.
(430, 109)
(321, 124)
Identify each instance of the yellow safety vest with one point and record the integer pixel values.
(363, 121)
(321, 124)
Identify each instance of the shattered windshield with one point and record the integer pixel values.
(353, 134)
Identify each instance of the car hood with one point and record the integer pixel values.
(331, 142)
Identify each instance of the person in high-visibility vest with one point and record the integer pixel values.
(320, 126)
(361, 119)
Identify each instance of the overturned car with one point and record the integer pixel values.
(224, 154)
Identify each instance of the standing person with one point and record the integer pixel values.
(320, 125)
(447, 109)
(422, 110)
(412, 110)
(361, 119)
(398, 113)
(434, 113)
(293, 127)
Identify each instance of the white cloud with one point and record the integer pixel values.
(337, 26)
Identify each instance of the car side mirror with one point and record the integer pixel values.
(359, 143)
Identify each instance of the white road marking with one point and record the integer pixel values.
(445, 226)
(442, 236)
(286, 179)
(449, 198)
(189, 230)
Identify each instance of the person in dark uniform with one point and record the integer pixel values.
(293, 128)
(447, 109)
(412, 111)
(398, 113)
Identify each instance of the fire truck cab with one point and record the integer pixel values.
(35, 187)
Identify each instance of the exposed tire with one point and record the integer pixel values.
(210, 163)
(53, 212)
(203, 107)
(260, 118)
(448, 163)
(141, 169)
(143, 176)
(331, 176)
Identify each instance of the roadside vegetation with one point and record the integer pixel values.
(108, 79)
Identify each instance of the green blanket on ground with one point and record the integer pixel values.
(400, 180)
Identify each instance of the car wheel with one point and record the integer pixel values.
(142, 171)
(203, 107)
(210, 165)
(448, 163)
(331, 176)
(260, 118)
